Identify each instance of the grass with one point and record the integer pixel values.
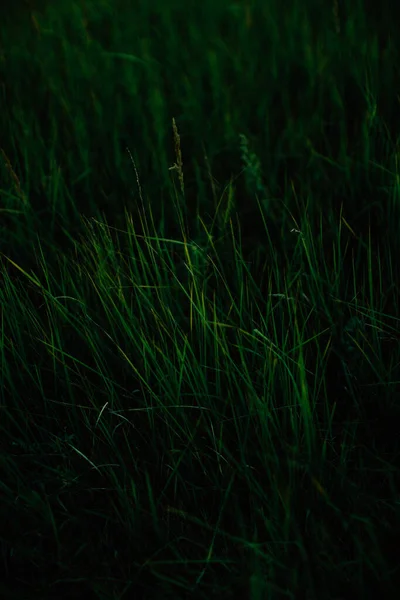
(199, 301)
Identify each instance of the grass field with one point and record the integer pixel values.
(199, 293)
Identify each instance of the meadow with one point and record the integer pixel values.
(199, 295)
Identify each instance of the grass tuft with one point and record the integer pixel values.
(200, 363)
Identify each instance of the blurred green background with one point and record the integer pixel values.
(312, 86)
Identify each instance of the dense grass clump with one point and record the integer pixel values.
(200, 324)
